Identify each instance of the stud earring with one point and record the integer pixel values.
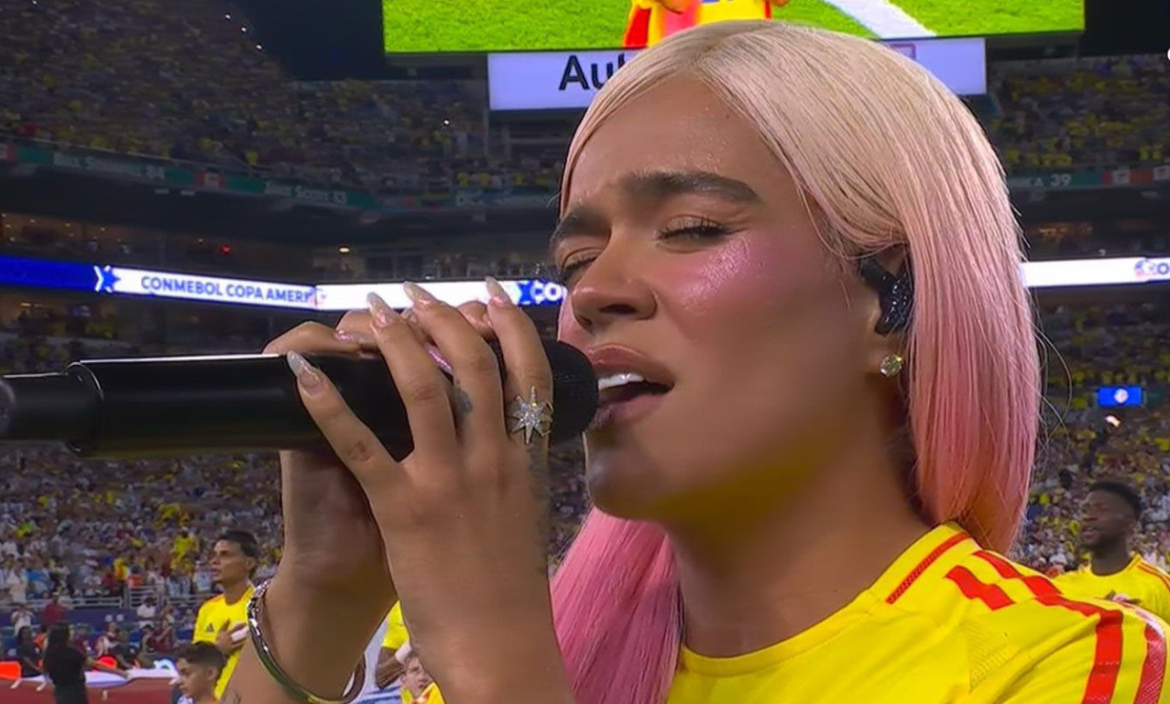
(891, 365)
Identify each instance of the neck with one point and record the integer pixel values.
(234, 592)
(752, 583)
(208, 698)
(1110, 559)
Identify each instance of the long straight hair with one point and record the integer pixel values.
(891, 159)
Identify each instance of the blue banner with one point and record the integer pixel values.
(16, 271)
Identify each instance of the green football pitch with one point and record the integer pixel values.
(427, 26)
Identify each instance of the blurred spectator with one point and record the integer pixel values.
(123, 651)
(27, 652)
(158, 641)
(54, 612)
(147, 611)
(105, 643)
(22, 617)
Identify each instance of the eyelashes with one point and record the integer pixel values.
(699, 230)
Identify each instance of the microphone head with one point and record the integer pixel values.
(575, 395)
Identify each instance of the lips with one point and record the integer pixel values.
(630, 383)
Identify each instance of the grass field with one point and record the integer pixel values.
(427, 26)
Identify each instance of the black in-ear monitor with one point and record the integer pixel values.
(895, 294)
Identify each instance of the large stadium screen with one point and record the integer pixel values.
(427, 27)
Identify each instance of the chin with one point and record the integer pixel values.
(622, 493)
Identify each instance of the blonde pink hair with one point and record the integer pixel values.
(890, 158)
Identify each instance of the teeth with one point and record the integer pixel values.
(615, 380)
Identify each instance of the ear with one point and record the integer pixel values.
(889, 305)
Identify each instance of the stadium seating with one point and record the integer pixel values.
(141, 77)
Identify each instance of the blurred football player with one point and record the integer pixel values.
(651, 21)
(1111, 514)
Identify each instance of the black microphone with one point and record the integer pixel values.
(132, 408)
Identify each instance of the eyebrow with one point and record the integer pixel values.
(656, 186)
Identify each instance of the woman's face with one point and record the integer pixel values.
(692, 261)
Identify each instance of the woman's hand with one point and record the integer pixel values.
(464, 517)
(331, 543)
(333, 585)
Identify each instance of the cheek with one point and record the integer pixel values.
(760, 280)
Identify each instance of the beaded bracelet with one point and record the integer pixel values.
(256, 611)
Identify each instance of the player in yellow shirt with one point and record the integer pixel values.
(1112, 513)
(651, 21)
(222, 619)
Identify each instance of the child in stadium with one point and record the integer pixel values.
(417, 685)
(651, 21)
(200, 666)
(791, 258)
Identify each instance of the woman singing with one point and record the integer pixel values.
(802, 484)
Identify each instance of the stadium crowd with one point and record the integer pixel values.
(1086, 113)
(189, 82)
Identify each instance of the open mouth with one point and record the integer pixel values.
(626, 397)
(626, 386)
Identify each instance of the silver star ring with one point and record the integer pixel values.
(530, 416)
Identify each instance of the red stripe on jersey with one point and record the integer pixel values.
(990, 594)
(922, 566)
(1154, 667)
(1107, 658)
(1153, 572)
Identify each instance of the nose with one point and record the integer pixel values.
(609, 290)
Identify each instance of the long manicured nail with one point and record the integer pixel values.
(384, 315)
(354, 338)
(438, 358)
(418, 295)
(307, 375)
(499, 294)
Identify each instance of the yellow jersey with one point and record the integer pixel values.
(396, 635)
(430, 695)
(948, 622)
(1140, 584)
(214, 613)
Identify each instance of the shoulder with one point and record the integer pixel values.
(212, 604)
(1027, 642)
(1055, 648)
(1155, 575)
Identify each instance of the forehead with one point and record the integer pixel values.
(679, 125)
(1106, 499)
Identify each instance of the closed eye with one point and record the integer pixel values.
(564, 274)
(698, 228)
